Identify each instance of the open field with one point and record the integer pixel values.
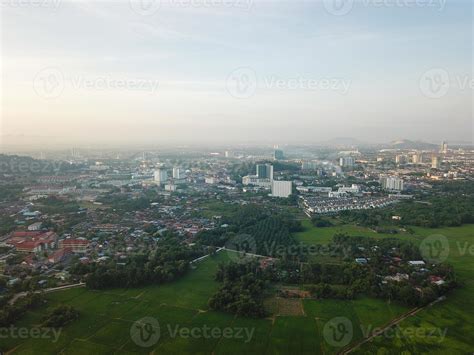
(107, 316)
(284, 306)
(315, 235)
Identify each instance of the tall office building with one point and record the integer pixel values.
(444, 147)
(346, 162)
(261, 171)
(278, 154)
(177, 173)
(281, 188)
(417, 158)
(161, 176)
(265, 171)
(309, 165)
(400, 159)
(435, 162)
(74, 153)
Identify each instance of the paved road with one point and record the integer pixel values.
(48, 290)
(204, 257)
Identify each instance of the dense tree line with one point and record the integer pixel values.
(356, 246)
(7, 224)
(287, 271)
(268, 234)
(282, 166)
(167, 262)
(54, 205)
(338, 292)
(9, 314)
(10, 192)
(27, 166)
(242, 292)
(320, 222)
(60, 316)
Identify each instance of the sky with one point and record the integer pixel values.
(236, 71)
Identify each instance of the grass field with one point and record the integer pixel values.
(107, 316)
(315, 235)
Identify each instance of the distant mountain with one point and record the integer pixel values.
(408, 144)
(344, 141)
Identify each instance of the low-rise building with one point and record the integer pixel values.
(78, 245)
(281, 188)
(32, 241)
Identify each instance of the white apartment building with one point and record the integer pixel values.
(177, 173)
(391, 183)
(281, 188)
(161, 176)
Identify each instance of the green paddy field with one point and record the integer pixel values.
(107, 316)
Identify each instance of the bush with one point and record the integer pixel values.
(60, 316)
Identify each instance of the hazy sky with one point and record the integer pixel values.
(237, 70)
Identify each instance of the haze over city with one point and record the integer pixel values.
(82, 72)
